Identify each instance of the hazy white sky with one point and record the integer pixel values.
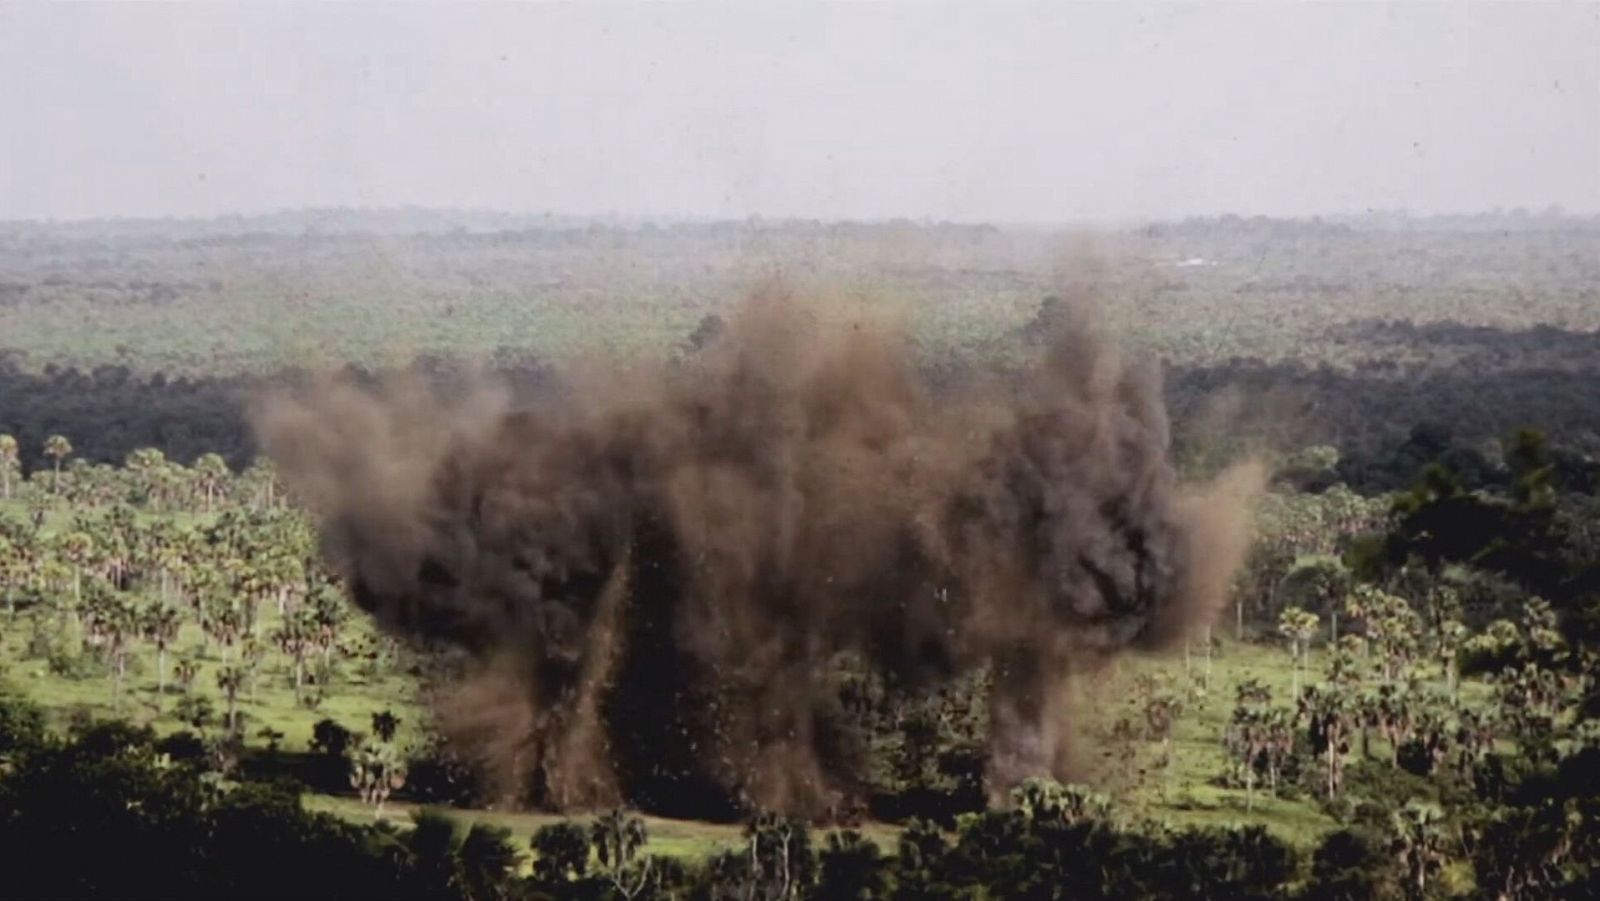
(970, 111)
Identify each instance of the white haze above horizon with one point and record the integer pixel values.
(968, 112)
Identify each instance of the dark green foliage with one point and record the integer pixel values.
(183, 747)
(488, 860)
(330, 739)
(561, 854)
(851, 867)
(160, 831)
(22, 725)
(1543, 839)
(1351, 865)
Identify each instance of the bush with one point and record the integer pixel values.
(1350, 865)
(183, 747)
(70, 664)
(22, 725)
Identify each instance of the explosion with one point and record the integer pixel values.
(654, 568)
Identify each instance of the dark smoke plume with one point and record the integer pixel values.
(656, 567)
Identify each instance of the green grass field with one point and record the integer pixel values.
(1187, 794)
(1188, 797)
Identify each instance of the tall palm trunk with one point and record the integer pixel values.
(122, 673)
(1208, 657)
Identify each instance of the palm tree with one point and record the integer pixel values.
(1245, 740)
(110, 621)
(76, 550)
(1298, 626)
(489, 861)
(210, 473)
(376, 772)
(262, 479)
(1419, 845)
(186, 669)
(329, 612)
(8, 464)
(384, 725)
(223, 622)
(230, 679)
(618, 839)
(251, 654)
(1394, 711)
(11, 569)
(1326, 712)
(1448, 639)
(161, 628)
(57, 448)
(295, 637)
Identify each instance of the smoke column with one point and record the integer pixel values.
(654, 568)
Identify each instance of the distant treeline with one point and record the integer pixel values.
(1472, 387)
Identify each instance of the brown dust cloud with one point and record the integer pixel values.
(653, 569)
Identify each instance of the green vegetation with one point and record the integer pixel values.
(1398, 701)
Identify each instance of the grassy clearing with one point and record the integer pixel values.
(687, 839)
(1188, 794)
(360, 692)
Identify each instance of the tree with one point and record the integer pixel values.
(1428, 746)
(111, 622)
(1318, 584)
(223, 622)
(488, 862)
(432, 843)
(384, 725)
(1529, 698)
(1298, 626)
(777, 858)
(1474, 737)
(1352, 865)
(77, 550)
(1162, 707)
(851, 868)
(251, 655)
(210, 473)
(329, 613)
(186, 669)
(295, 636)
(1448, 640)
(560, 853)
(14, 568)
(1326, 712)
(1393, 710)
(619, 839)
(1392, 628)
(376, 772)
(57, 448)
(230, 679)
(9, 464)
(146, 465)
(160, 625)
(1419, 846)
(1259, 739)
(1045, 800)
(1264, 568)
